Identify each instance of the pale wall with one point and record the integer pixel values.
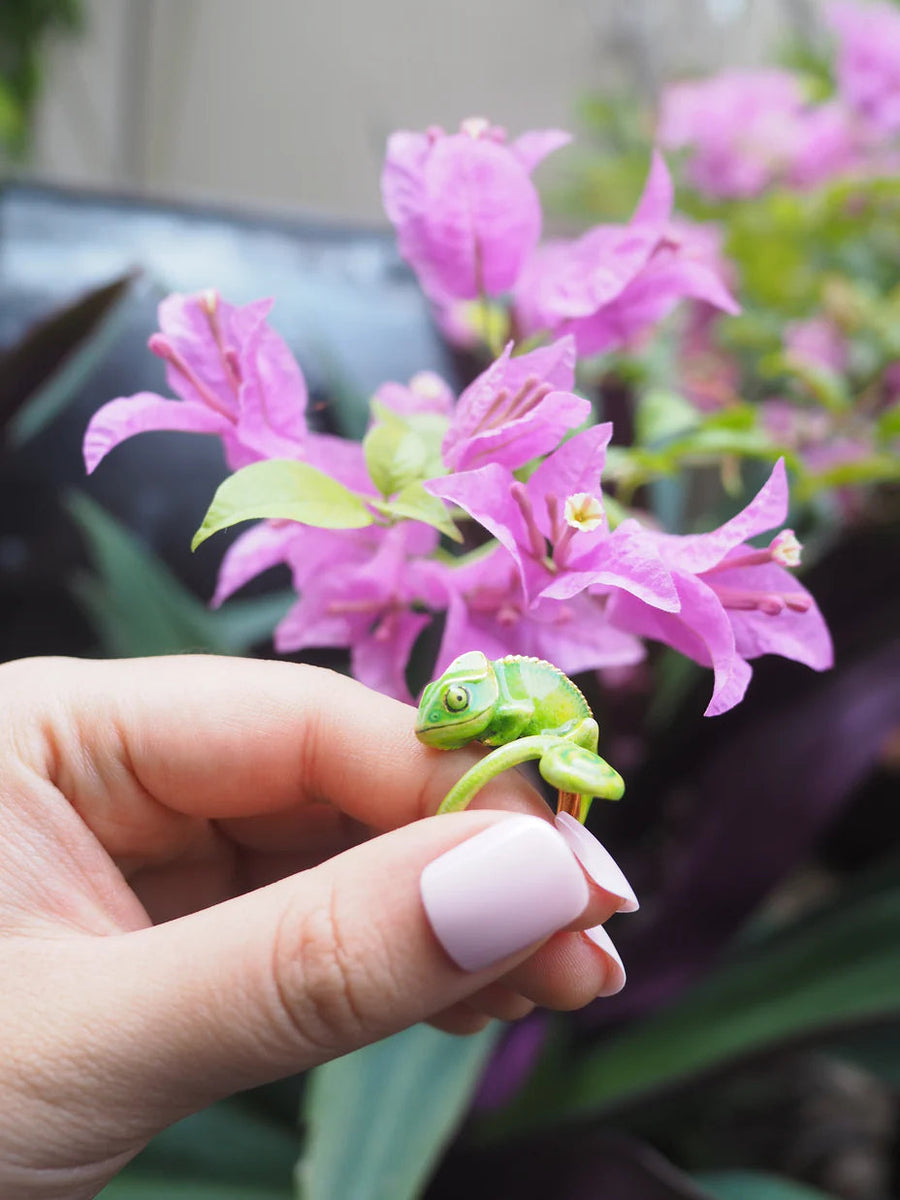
(288, 103)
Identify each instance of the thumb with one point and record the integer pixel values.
(378, 938)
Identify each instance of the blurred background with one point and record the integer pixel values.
(288, 104)
(151, 146)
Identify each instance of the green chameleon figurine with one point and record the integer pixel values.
(529, 709)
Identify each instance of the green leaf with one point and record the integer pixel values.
(286, 490)
(133, 1187)
(755, 1185)
(230, 1151)
(875, 468)
(138, 607)
(661, 415)
(414, 503)
(401, 450)
(888, 425)
(12, 118)
(833, 972)
(379, 1120)
(825, 386)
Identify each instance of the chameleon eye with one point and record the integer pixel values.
(456, 698)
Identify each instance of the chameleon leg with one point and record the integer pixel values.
(494, 764)
(572, 765)
(577, 805)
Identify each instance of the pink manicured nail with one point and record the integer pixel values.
(504, 889)
(597, 861)
(615, 970)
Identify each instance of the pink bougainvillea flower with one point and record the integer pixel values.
(795, 426)
(680, 268)
(234, 375)
(817, 341)
(306, 549)
(377, 607)
(487, 608)
(749, 129)
(868, 61)
(516, 410)
(739, 125)
(464, 207)
(616, 281)
(555, 524)
(573, 279)
(709, 376)
(426, 392)
(736, 602)
(827, 146)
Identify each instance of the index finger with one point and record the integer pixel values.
(222, 738)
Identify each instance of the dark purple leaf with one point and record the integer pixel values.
(765, 796)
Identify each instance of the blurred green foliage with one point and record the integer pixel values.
(700, 391)
(25, 26)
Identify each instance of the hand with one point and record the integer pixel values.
(216, 872)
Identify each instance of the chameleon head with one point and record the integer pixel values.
(458, 707)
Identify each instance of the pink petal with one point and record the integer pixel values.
(479, 428)
(403, 195)
(802, 637)
(426, 392)
(185, 324)
(484, 494)
(658, 198)
(309, 624)
(483, 599)
(273, 393)
(142, 413)
(563, 281)
(466, 629)
(525, 438)
(533, 147)
(534, 308)
(381, 663)
(401, 180)
(604, 260)
(582, 276)
(481, 214)
(553, 364)
(262, 546)
(342, 458)
(317, 554)
(575, 467)
(667, 278)
(700, 630)
(626, 559)
(584, 640)
(699, 552)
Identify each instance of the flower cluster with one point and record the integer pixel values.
(468, 221)
(746, 130)
(515, 458)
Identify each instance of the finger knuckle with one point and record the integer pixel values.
(319, 980)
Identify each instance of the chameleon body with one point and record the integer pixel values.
(527, 708)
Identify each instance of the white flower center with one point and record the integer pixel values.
(785, 549)
(584, 511)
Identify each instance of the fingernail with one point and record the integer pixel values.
(597, 861)
(615, 969)
(504, 889)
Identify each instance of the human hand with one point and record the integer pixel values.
(216, 872)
